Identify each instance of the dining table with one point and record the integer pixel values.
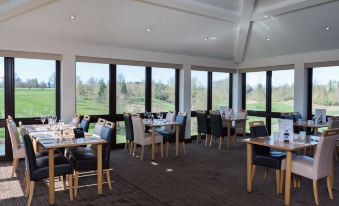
(229, 122)
(51, 140)
(156, 123)
(288, 147)
(314, 127)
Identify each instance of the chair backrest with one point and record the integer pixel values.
(181, 119)
(333, 122)
(203, 122)
(323, 157)
(29, 154)
(286, 116)
(216, 123)
(106, 134)
(258, 129)
(128, 126)
(76, 120)
(14, 135)
(170, 116)
(138, 129)
(85, 123)
(296, 116)
(98, 126)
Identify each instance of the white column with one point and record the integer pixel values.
(300, 89)
(68, 79)
(185, 96)
(237, 86)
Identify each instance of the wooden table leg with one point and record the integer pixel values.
(332, 175)
(288, 178)
(315, 131)
(51, 176)
(153, 143)
(249, 168)
(229, 134)
(176, 140)
(99, 168)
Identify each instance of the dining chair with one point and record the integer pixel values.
(75, 120)
(217, 128)
(170, 136)
(38, 168)
(263, 156)
(320, 165)
(18, 150)
(85, 158)
(98, 126)
(333, 123)
(143, 139)
(239, 125)
(204, 126)
(85, 123)
(129, 132)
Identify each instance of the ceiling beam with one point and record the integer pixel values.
(15, 8)
(285, 7)
(197, 8)
(243, 30)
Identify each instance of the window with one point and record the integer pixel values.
(163, 89)
(325, 89)
(92, 88)
(256, 91)
(198, 90)
(220, 89)
(35, 80)
(130, 89)
(253, 118)
(121, 133)
(282, 91)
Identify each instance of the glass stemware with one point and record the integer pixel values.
(43, 119)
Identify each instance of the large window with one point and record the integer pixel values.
(325, 90)
(256, 91)
(282, 91)
(130, 86)
(92, 88)
(163, 89)
(198, 90)
(220, 89)
(35, 87)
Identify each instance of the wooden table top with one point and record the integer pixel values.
(305, 124)
(281, 145)
(52, 140)
(43, 128)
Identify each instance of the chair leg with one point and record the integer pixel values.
(253, 172)
(30, 195)
(282, 173)
(184, 148)
(266, 172)
(277, 180)
(27, 185)
(108, 178)
(134, 148)
(211, 139)
(131, 148)
(76, 183)
(329, 187)
(64, 181)
(15, 165)
(220, 142)
(142, 152)
(198, 138)
(206, 140)
(294, 181)
(315, 192)
(235, 139)
(162, 150)
(70, 186)
(299, 182)
(167, 148)
(126, 144)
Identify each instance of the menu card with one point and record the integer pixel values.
(286, 124)
(320, 115)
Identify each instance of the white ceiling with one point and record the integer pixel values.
(180, 26)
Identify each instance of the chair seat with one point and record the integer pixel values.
(148, 140)
(84, 158)
(170, 136)
(301, 165)
(62, 166)
(272, 160)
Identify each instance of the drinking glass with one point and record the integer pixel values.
(276, 136)
(43, 119)
(161, 116)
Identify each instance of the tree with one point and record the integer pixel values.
(124, 90)
(51, 81)
(102, 89)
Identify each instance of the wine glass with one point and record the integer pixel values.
(161, 116)
(43, 119)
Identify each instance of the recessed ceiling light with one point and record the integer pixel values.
(206, 38)
(265, 16)
(268, 39)
(327, 28)
(212, 38)
(72, 17)
(148, 29)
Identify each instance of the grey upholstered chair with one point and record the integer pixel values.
(333, 123)
(318, 167)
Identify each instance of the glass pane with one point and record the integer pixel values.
(2, 91)
(163, 89)
(121, 133)
(325, 94)
(194, 126)
(130, 89)
(92, 88)
(2, 141)
(254, 118)
(198, 90)
(34, 87)
(274, 125)
(220, 89)
(256, 91)
(282, 91)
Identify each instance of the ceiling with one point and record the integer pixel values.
(181, 26)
